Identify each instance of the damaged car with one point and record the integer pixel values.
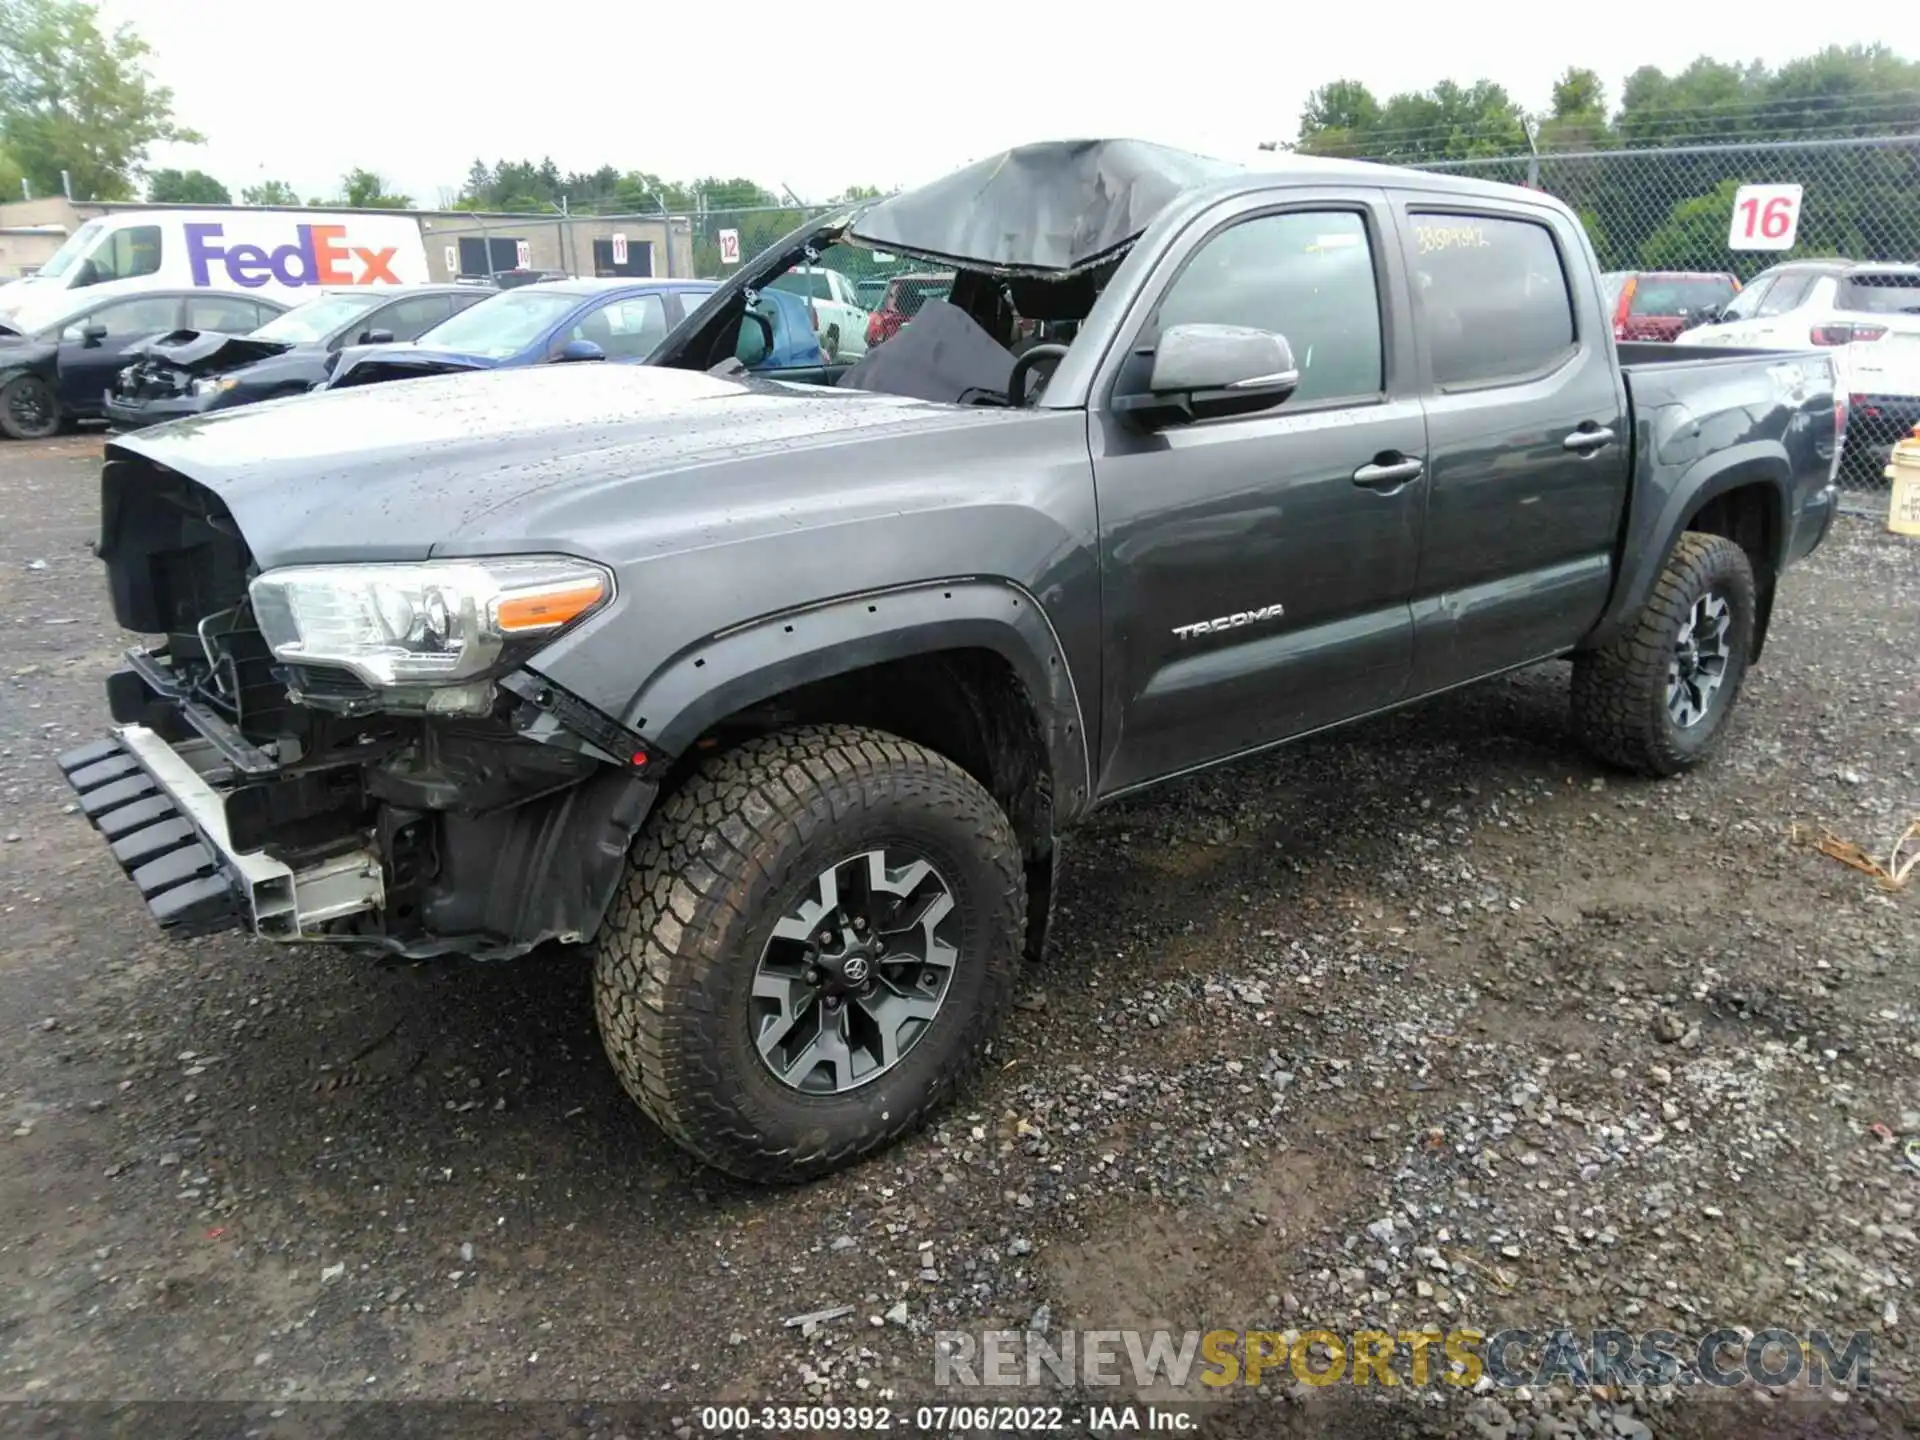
(193, 372)
(58, 356)
(780, 690)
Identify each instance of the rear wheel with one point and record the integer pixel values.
(818, 935)
(1657, 698)
(29, 410)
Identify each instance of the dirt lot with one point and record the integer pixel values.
(1431, 1023)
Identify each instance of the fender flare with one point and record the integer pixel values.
(756, 661)
(1646, 546)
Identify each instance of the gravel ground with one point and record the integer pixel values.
(1429, 1023)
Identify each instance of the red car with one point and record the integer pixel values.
(905, 295)
(1660, 304)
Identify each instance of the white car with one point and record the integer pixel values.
(1868, 313)
(838, 316)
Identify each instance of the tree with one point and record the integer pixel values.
(366, 190)
(854, 194)
(1448, 122)
(186, 187)
(1338, 119)
(76, 100)
(10, 174)
(738, 193)
(1578, 120)
(270, 192)
(1709, 124)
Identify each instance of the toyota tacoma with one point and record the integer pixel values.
(778, 690)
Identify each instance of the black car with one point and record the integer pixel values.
(56, 368)
(191, 372)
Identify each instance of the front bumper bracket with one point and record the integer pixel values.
(167, 826)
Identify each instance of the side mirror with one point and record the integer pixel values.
(756, 340)
(376, 337)
(92, 334)
(89, 275)
(579, 350)
(1203, 372)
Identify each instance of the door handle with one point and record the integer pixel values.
(1582, 441)
(1390, 475)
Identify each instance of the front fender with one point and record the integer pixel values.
(764, 658)
(1655, 527)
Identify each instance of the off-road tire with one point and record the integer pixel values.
(710, 875)
(12, 426)
(1620, 709)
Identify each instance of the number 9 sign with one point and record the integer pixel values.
(1765, 217)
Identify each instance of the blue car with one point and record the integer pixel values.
(574, 320)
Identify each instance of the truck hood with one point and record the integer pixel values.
(401, 472)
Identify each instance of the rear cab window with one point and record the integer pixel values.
(1495, 306)
(1881, 292)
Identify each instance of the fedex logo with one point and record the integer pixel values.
(319, 258)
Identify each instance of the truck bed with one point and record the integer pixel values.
(1694, 403)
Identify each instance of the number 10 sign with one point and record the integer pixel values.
(1765, 217)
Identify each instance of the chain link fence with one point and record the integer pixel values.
(1674, 210)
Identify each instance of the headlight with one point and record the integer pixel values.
(216, 385)
(438, 622)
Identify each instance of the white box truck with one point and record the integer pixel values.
(288, 255)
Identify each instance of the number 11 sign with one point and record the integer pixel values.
(1765, 217)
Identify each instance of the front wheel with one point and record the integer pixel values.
(29, 410)
(1657, 698)
(818, 934)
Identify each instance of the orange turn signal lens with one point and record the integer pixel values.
(546, 609)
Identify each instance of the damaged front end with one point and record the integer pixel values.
(177, 363)
(351, 754)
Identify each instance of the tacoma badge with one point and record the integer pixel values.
(1229, 622)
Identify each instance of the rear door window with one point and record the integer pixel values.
(1493, 296)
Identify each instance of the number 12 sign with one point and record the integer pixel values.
(1765, 217)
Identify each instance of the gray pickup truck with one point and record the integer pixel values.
(778, 693)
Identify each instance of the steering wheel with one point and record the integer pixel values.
(1017, 380)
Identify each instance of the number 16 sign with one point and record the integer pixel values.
(1765, 217)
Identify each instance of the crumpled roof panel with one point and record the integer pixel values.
(1050, 208)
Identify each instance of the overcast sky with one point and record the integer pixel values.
(820, 97)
